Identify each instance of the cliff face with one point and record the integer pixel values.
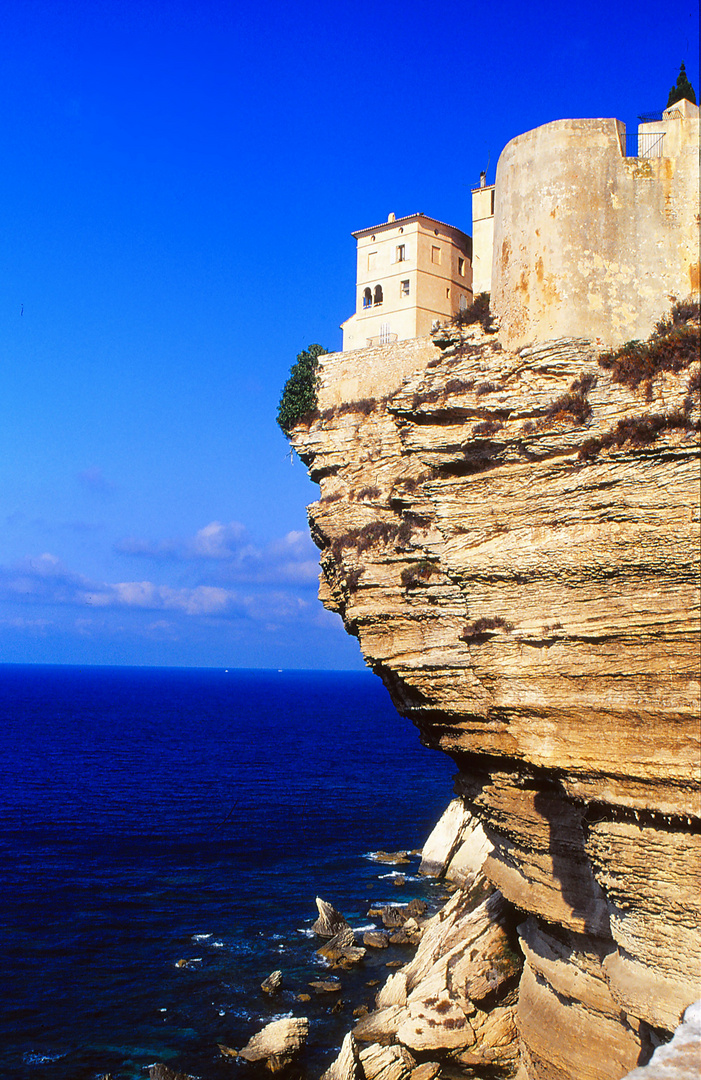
(513, 538)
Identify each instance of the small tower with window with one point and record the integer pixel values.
(482, 235)
(412, 272)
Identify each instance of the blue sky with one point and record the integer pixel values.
(178, 188)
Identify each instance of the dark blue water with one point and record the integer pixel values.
(154, 815)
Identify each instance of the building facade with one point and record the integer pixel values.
(412, 271)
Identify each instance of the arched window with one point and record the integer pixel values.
(367, 298)
(378, 295)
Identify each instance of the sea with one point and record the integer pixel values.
(164, 835)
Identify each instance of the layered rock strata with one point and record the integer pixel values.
(527, 588)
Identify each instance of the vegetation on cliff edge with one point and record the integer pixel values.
(299, 396)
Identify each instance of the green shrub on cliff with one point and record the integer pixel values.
(476, 312)
(299, 394)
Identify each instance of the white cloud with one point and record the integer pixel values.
(291, 559)
(202, 600)
(215, 540)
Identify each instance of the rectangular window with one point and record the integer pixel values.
(372, 259)
(447, 293)
(461, 267)
(492, 201)
(401, 253)
(435, 254)
(384, 333)
(403, 288)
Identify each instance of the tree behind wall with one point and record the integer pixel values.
(682, 91)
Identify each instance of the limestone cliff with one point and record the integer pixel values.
(513, 538)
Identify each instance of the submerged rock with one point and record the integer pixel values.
(278, 1043)
(326, 986)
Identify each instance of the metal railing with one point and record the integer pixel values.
(642, 144)
(382, 339)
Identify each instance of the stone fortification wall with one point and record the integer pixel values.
(375, 372)
(588, 242)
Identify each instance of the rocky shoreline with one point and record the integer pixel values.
(445, 1007)
(450, 1011)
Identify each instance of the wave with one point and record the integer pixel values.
(31, 1058)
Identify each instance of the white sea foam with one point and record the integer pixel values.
(366, 926)
(217, 944)
(201, 937)
(306, 931)
(40, 1059)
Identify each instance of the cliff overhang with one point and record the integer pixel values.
(513, 538)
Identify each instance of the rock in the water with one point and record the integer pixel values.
(326, 986)
(341, 950)
(391, 858)
(330, 921)
(162, 1072)
(376, 939)
(278, 1043)
(272, 984)
(399, 880)
(347, 1064)
(335, 946)
(304, 997)
(227, 1051)
(416, 908)
(394, 916)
